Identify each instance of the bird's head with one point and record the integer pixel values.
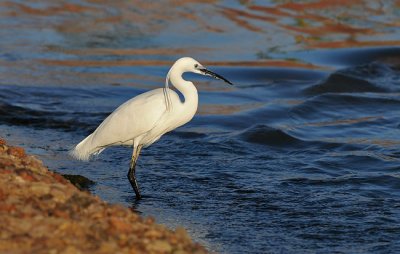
(188, 64)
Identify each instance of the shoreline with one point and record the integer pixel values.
(41, 211)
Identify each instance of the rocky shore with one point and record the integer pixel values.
(42, 212)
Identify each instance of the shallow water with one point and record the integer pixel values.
(301, 155)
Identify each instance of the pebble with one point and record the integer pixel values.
(159, 246)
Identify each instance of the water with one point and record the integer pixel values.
(301, 155)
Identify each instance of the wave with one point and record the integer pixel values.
(373, 77)
(382, 180)
(265, 135)
(344, 106)
(24, 116)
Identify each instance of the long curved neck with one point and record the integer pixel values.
(187, 88)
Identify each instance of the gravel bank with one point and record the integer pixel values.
(42, 212)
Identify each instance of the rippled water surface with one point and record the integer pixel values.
(301, 155)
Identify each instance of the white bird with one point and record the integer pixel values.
(142, 120)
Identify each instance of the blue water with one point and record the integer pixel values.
(292, 159)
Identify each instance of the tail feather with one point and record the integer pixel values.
(84, 150)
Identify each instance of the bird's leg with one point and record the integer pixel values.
(131, 172)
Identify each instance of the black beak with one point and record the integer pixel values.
(214, 75)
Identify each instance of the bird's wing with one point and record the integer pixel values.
(135, 117)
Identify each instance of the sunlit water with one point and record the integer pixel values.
(300, 156)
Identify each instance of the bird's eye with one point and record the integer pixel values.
(196, 65)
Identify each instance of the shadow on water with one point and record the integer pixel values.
(301, 155)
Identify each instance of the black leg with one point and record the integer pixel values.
(131, 172)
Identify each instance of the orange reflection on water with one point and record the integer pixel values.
(48, 11)
(321, 4)
(124, 51)
(345, 121)
(111, 63)
(324, 23)
(46, 40)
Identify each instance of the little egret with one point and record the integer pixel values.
(142, 120)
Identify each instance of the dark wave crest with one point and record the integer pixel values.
(373, 77)
(265, 135)
(344, 106)
(24, 116)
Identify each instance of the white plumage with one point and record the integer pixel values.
(129, 122)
